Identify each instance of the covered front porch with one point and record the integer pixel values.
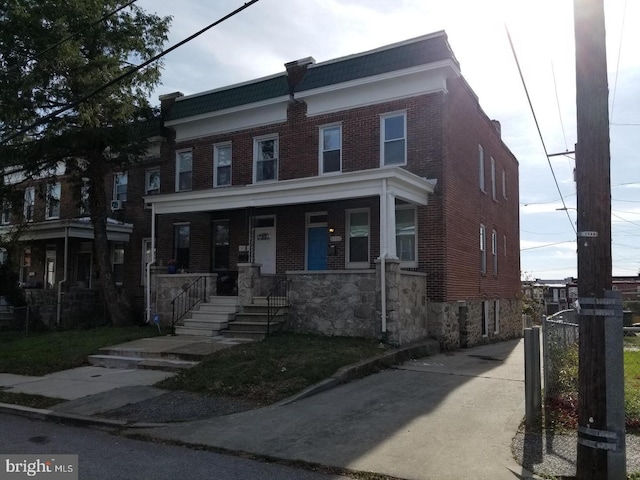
(351, 264)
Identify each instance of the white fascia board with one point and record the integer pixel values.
(420, 80)
(350, 185)
(222, 121)
(58, 229)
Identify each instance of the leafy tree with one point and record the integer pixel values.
(55, 53)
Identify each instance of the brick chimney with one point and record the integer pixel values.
(167, 101)
(498, 127)
(296, 70)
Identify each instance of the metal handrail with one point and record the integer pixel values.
(183, 303)
(277, 299)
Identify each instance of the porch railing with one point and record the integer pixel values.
(187, 300)
(277, 299)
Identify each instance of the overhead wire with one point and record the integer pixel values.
(535, 118)
(615, 83)
(124, 75)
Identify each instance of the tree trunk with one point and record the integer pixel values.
(117, 302)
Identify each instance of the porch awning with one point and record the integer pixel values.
(77, 228)
(365, 183)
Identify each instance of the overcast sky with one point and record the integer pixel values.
(261, 39)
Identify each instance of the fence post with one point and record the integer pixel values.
(532, 392)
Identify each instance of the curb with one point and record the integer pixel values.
(365, 367)
(72, 419)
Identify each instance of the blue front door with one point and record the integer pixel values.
(317, 248)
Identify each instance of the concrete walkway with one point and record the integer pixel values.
(448, 416)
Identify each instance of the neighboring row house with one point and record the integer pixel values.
(374, 184)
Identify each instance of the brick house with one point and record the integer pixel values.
(53, 250)
(374, 183)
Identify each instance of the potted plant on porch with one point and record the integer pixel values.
(172, 266)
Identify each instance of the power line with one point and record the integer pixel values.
(555, 86)
(547, 245)
(124, 75)
(535, 118)
(615, 83)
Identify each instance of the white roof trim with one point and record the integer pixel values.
(78, 228)
(366, 183)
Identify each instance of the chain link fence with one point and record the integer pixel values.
(560, 367)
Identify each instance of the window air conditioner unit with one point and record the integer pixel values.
(116, 205)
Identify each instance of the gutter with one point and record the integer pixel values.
(152, 262)
(64, 279)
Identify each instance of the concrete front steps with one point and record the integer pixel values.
(209, 319)
(251, 323)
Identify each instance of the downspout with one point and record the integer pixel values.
(383, 256)
(64, 277)
(152, 262)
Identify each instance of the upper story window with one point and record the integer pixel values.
(504, 184)
(120, 181)
(184, 168)
(494, 251)
(222, 162)
(331, 149)
(393, 139)
(6, 212)
(29, 203)
(483, 249)
(265, 159)
(53, 201)
(406, 244)
(152, 181)
(358, 238)
(84, 197)
(493, 178)
(481, 167)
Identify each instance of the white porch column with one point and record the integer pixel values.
(390, 225)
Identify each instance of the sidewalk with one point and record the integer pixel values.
(448, 416)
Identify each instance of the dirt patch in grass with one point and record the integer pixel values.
(273, 369)
(26, 400)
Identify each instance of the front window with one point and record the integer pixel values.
(84, 197)
(6, 212)
(394, 145)
(358, 231)
(147, 255)
(481, 167)
(120, 181)
(53, 201)
(181, 241)
(184, 166)
(117, 262)
(222, 165)
(221, 245)
(331, 149)
(29, 203)
(406, 235)
(152, 181)
(266, 159)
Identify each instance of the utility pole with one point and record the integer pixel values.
(601, 419)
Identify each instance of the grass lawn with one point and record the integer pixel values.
(42, 353)
(274, 368)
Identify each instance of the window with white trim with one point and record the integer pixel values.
(393, 136)
(152, 181)
(222, 162)
(6, 212)
(52, 209)
(29, 204)
(117, 262)
(483, 249)
(493, 178)
(330, 149)
(496, 316)
(494, 251)
(358, 238)
(504, 184)
(504, 243)
(84, 197)
(481, 167)
(265, 164)
(184, 167)
(406, 244)
(120, 181)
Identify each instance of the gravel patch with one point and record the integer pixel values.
(555, 455)
(180, 406)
